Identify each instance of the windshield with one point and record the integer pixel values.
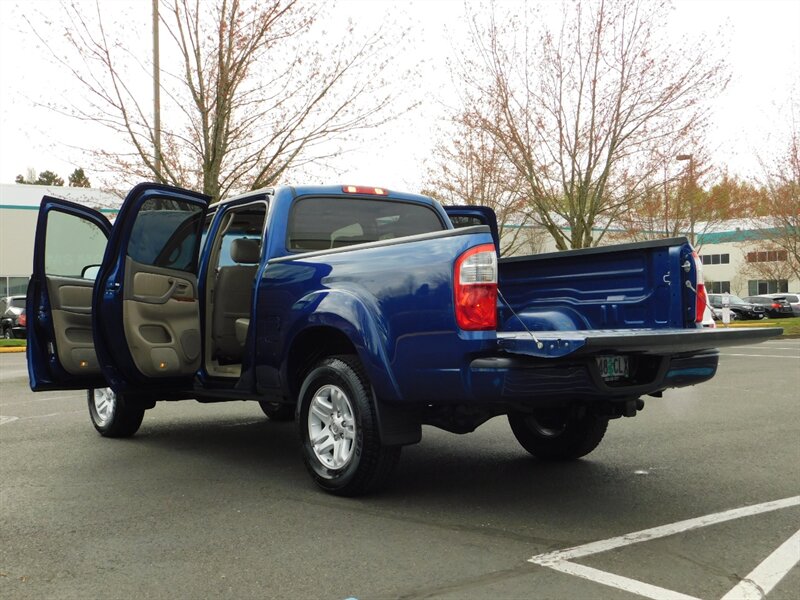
(16, 303)
(734, 299)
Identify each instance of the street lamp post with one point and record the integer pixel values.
(690, 186)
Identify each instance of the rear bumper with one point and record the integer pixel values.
(543, 382)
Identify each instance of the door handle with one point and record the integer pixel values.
(158, 299)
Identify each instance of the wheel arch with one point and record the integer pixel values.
(398, 426)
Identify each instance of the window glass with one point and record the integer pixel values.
(726, 259)
(71, 245)
(721, 287)
(240, 223)
(460, 221)
(323, 223)
(16, 303)
(166, 234)
(715, 259)
(706, 259)
(17, 285)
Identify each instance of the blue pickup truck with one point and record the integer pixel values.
(362, 314)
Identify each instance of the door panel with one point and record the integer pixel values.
(147, 311)
(71, 306)
(70, 243)
(161, 314)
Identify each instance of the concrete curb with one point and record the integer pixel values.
(10, 349)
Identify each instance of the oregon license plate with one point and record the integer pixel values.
(613, 367)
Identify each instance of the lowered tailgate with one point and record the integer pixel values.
(555, 344)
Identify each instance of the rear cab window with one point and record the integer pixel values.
(16, 303)
(323, 223)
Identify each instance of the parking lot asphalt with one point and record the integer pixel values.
(213, 501)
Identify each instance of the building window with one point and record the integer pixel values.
(716, 259)
(767, 286)
(720, 287)
(767, 256)
(13, 286)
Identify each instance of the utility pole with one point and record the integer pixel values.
(156, 97)
(666, 203)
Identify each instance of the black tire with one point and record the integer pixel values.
(8, 334)
(554, 436)
(277, 411)
(369, 464)
(118, 418)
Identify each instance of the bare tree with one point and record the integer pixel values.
(250, 89)
(782, 181)
(471, 170)
(581, 110)
(682, 203)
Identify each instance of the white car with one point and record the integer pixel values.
(708, 317)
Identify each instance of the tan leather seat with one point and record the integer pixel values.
(233, 297)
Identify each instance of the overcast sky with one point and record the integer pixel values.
(764, 55)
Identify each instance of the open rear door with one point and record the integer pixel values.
(468, 216)
(68, 250)
(146, 302)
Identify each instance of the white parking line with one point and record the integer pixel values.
(761, 355)
(770, 347)
(760, 581)
(618, 581)
(5, 419)
(763, 577)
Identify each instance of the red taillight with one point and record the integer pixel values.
(475, 277)
(702, 298)
(22, 320)
(775, 305)
(360, 189)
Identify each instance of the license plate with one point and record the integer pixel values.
(613, 367)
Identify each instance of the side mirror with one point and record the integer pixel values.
(90, 271)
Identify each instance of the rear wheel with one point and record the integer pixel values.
(277, 411)
(557, 436)
(338, 428)
(112, 414)
(8, 334)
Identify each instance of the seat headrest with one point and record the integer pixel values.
(246, 251)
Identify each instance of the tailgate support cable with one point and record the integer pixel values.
(539, 344)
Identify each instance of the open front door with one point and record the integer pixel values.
(146, 302)
(69, 246)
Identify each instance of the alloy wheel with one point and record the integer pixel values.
(332, 427)
(105, 404)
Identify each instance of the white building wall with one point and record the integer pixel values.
(19, 210)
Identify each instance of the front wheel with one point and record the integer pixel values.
(112, 414)
(338, 429)
(556, 436)
(8, 334)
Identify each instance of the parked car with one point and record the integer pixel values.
(12, 317)
(792, 299)
(740, 309)
(775, 305)
(709, 317)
